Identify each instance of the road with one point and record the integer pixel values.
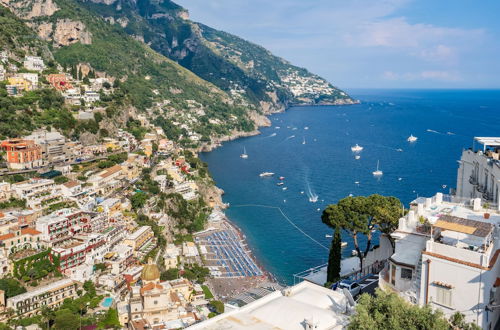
(369, 284)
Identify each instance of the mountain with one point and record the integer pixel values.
(192, 80)
(237, 66)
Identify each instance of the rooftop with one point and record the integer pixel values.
(304, 302)
(52, 286)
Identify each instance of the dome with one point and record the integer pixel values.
(150, 272)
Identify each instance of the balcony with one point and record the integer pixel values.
(463, 254)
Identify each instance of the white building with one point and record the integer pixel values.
(303, 306)
(32, 78)
(447, 256)
(34, 63)
(2, 73)
(479, 171)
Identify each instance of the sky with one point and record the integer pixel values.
(371, 43)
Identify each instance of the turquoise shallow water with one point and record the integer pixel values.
(444, 121)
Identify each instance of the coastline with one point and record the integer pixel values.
(262, 121)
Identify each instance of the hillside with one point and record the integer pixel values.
(241, 68)
(197, 83)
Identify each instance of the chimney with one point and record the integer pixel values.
(428, 202)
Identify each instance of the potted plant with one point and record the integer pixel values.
(486, 215)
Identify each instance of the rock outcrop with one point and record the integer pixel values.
(28, 9)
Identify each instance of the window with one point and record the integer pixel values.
(443, 296)
(406, 273)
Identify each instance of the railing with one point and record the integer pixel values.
(459, 253)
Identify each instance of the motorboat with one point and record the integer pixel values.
(282, 178)
(244, 155)
(280, 184)
(412, 138)
(378, 172)
(356, 148)
(266, 174)
(357, 157)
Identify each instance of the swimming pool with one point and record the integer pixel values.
(107, 302)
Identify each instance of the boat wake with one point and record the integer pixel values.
(269, 136)
(313, 198)
(290, 137)
(433, 131)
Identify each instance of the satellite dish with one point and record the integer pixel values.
(349, 297)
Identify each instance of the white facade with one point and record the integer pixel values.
(447, 256)
(479, 172)
(34, 63)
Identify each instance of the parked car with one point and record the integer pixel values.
(353, 287)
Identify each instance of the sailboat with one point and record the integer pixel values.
(378, 172)
(304, 141)
(244, 154)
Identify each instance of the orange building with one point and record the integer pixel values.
(59, 81)
(22, 154)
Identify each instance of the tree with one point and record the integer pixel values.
(11, 287)
(360, 215)
(169, 274)
(110, 320)
(335, 257)
(66, 320)
(387, 311)
(138, 200)
(218, 306)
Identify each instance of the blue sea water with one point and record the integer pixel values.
(445, 122)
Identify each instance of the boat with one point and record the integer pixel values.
(354, 253)
(399, 150)
(313, 199)
(356, 148)
(266, 174)
(244, 155)
(282, 178)
(328, 236)
(343, 244)
(280, 184)
(412, 138)
(378, 172)
(306, 128)
(304, 141)
(284, 188)
(357, 157)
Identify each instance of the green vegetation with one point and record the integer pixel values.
(218, 306)
(360, 215)
(110, 320)
(11, 287)
(13, 203)
(190, 215)
(169, 274)
(387, 311)
(335, 257)
(196, 273)
(61, 179)
(36, 266)
(207, 292)
(138, 200)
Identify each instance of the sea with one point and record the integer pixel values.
(310, 146)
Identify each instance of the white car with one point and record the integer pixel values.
(353, 287)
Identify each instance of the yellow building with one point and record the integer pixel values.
(20, 83)
(139, 238)
(52, 295)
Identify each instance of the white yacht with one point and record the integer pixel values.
(244, 155)
(356, 148)
(304, 141)
(378, 172)
(265, 174)
(412, 138)
(357, 157)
